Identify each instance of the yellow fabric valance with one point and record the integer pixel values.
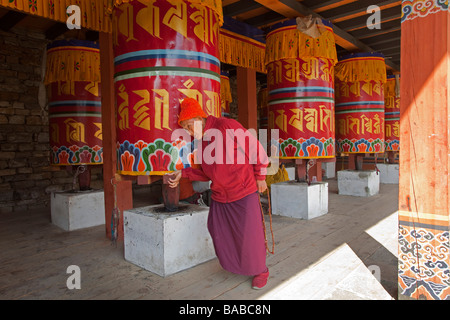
(241, 51)
(290, 43)
(72, 60)
(93, 13)
(225, 89)
(390, 87)
(215, 5)
(361, 67)
(263, 98)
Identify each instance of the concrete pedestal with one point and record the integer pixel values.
(361, 183)
(298, 200)
(165, 243)
(77, 210)
(291, 173)
(330, 169)
(389, 173)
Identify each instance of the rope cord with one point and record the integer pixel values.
(264, 224)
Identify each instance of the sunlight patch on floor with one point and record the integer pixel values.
(337, 275)
(386, 233)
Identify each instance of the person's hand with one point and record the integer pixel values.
(262, 185)
(176, 179)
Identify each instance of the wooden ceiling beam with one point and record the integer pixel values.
(327, 5)
(385, 27)
(381, 39)
(56, 30)
(10, 19)
(355, 9)
(264, 19)
(361, 22)
(240, 7)
(391, 51)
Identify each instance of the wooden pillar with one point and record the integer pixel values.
(247, 102)
(391, 156)
(305, 173)
(424, 261)
(355, 161)
(316, 171)
(300, 170)
(123, 189)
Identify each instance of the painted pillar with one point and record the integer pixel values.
(423, 257)
(118, 193)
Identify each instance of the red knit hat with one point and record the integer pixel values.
(190, 108)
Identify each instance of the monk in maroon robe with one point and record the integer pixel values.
(235, 162)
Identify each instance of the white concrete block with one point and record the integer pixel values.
(330, 169)
(165, 243)
(361, 183)
(298, 200)
(291, 173)
(389, 172)
(77, 210)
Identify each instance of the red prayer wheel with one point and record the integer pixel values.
(263, 108)
(164, 52)
(225, 93)
(392, 115)
(75, 118)
(300, 81)
(359, 84)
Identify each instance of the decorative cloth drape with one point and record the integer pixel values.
(94, 14)
(287, 41)
(242, 45)
(359, 67)
(73, 60)
(225, 93)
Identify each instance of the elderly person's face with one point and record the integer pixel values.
(194, 127)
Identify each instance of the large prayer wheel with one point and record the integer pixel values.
(359, 84)
(263, 108)
(74, 100)
(300, 81)
(392, 114)
(225, 93)
(164, 52)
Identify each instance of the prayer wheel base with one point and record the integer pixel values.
(389, 173)
(360, 183)
(299, 200)
(165, 243)
(77, 210)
